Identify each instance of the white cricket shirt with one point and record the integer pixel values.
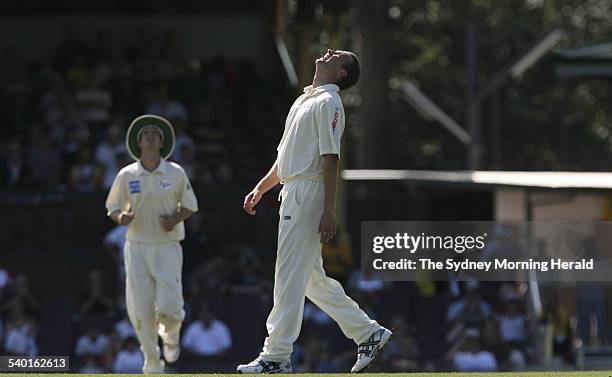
(313, 128)
(150, 195)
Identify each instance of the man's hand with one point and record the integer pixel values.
(168, 222)
(327, 226)
(125, 218)
(251, 200)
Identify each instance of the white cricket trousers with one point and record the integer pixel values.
(154, 294)
(299, 273)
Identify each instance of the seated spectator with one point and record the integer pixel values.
(129, 359)
(166, 107)
(471, 310)
(189, 161)
(92, 365)
(92, 343)
(368, 287)
(466, 355)
(85, 175)
(316, 316)
(183, 143)
(563, 331)
(114, 242)
(514, 329)
(97, 302)
(43, 158)
(206, 336)
(247, 277)
(123, 328)
(19, 295)
(402, 353)
(93, 103)
(54, 105)
(210, 279)
(491, 341)
(513, 323)
(20, 334)
(108, 154)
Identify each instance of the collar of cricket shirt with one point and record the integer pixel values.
(161, 168)
(322, 88)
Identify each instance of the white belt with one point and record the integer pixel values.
(315, 178)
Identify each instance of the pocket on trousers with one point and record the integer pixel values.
(297, 196)
(290, 206)
(282, 197)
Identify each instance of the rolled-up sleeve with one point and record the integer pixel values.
(118, 199)
(187, 196)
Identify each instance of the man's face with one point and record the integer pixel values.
(206, 317)
(150, 138)
(472, 344)
(333, 61)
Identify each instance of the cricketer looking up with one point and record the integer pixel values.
(307, 166)
(153, 197)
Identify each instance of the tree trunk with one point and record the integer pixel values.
(374, 84)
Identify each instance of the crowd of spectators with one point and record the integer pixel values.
(480, 334)
(65, 114)
(485, 339)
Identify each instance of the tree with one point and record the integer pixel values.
(545, 123)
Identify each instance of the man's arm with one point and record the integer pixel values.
(327, 225)
(122, 218)
(117, 201)
(270, 180)
(170, 221)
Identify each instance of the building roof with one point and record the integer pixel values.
(585, 61)
(519, 179)
(591, 52)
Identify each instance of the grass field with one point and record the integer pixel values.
(602, 373)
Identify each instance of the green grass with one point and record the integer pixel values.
(602, 373)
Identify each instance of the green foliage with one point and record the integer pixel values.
(546, 123)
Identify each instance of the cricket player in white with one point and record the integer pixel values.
(153, 198)
(307, 166)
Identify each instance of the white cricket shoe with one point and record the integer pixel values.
(171, 352)
(259, 366)
(154, 367)
(368, 350)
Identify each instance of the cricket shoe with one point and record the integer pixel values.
(156, 367)
(171, 352)
(368, 350)
(259, 366)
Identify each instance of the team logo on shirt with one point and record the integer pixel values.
(164, 184)
(134, 187)
(335, 121)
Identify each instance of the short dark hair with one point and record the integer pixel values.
(353, 70)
